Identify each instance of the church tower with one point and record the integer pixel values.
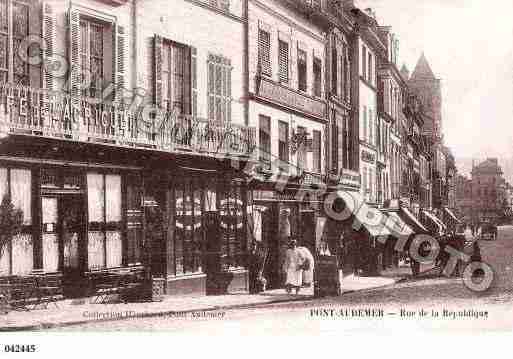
(427, 87)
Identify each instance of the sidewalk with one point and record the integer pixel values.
(75, 312)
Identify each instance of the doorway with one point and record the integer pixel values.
(64, 245)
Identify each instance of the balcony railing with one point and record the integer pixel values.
(34, 112)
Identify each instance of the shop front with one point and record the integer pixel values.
(77, 216)
(97, 191)
(198, 230)
(280, 216)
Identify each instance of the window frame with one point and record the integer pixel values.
(224, 97)
(317, 77)
(302, 73)
(11, 52)
(283, 61)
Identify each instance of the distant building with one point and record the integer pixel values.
(488, 190)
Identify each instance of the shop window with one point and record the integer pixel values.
(219, 89)
(14, 27)
(104, 209)
(188, 239)
(232, 230)
(264, 51)
(283, 61)
(317, 77)
(301, 70)
(264, 130)
(17, 257)
(134, 220)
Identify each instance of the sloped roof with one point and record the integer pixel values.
(423, 70)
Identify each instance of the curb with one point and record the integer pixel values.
(45, 326)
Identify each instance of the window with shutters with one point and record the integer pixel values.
(317, 77)
(219, 88)
(264, 52)
(14, 27)
(334, 71)
(317, 150)
(370, 72)
(283, 61)
(335, 146)
(370, 139)
(346, 75)
(92, 57)
(301, 150)
(364, 62)
(346, 142)
(301, 70)
(283, 145)
(264, 131)
(364, 123)
(176, 81)
(97, 54)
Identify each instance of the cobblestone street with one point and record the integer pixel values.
(457, 307)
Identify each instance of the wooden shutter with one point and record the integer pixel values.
(74, 55)
(194, 81)
(158, 45)
(48, 33)
(264, 48)
(119, 60)
(283, 61)
(187, 81)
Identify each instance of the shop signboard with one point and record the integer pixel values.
(327, 279)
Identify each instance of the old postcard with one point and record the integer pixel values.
(281, 166)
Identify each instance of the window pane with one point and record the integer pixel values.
(21, 191)
(113, 198)
(95, 199)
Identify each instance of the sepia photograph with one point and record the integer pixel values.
(265, 167)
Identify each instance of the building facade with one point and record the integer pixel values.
(120, 148)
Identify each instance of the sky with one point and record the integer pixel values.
(469, 45)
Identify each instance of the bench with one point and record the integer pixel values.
(37, 289)
(121, 282)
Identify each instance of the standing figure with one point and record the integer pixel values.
(308, 266)
(292, 267)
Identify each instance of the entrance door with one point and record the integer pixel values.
(64, 248)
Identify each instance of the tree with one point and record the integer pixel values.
(11, 221)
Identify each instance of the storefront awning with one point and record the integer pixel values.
(368, 218)
(436, 222)
(451, 215)
(413, 222)
(396, 225)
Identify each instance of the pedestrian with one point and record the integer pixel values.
(307, 266)
(255, 267)
(292, 267)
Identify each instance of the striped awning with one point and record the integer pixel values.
(436, 221)
(451, 215)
